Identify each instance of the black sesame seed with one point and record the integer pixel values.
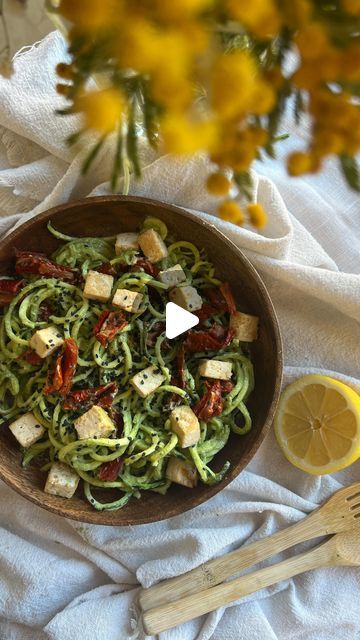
(177, 419)
(145, 376)
(141, 381)
(37, 426)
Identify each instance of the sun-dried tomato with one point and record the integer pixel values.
(30, 356)
(107, 268)
(110, 470)
(28, 262)
(216, 299)
(213, 339)
(229, 298)
(117, 419)
(64, 371)
(86, 398)
(55, 379)
(211, 404)
(109, 325)
(206, 311)
(8, 289)
(227, 386)
(147, 266)
(70, 356)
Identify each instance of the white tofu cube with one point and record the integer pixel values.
(46, 341)
(185, 424)
(95, 423)
(127, 300)
(181, 472)
(61, 481)
(245, 326)
(152, 245)
(126, 241)
(147, 380)
(98, 286)
(216, 369)
(186, 297)
(172, 276)
(27, 430)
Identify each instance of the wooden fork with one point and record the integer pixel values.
(342, 549)
(340, 513)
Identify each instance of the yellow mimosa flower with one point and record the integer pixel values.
(299, 163)
(217, 184)
(260, 16)
(181, 135)
(231, 212)
(102, 109)
(92, 14)
(351, 6)
(257, 215)
(233, 84)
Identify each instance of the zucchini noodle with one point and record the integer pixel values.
(145, 441)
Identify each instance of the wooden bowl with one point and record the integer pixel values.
(108, 215)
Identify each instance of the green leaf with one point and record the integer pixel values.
(74, 137)
(131, 143)
(274, 120)
(64, 112)
(150, 113)
(298, 106)
(244, 182)
(92, 155)
(350, 169)
(283, 136)
(118, 161)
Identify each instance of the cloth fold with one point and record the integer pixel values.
(63, 580)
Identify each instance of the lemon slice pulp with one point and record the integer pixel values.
(317, 424)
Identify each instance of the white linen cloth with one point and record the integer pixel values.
(63, 580)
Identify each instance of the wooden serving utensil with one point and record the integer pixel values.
(340, 513)
(342, 549)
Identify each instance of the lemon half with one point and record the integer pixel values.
(317, 424)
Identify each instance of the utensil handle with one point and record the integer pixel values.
(217, 570)
(169, 615)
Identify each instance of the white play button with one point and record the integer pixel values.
(178, 320)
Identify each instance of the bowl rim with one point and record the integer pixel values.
(100, 518)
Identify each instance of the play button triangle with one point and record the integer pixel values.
(178, 320)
